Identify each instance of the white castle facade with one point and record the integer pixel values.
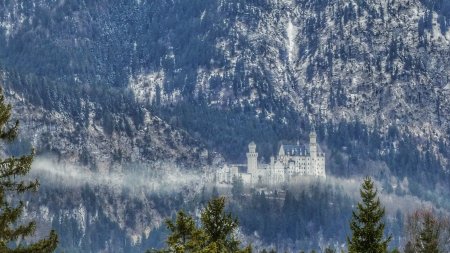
(292, 161)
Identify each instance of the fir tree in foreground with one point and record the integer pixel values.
(366, 225)
(12, 168)
(215, 235)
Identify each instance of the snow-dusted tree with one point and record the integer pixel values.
(11, 186)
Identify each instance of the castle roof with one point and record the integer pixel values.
(295, 150)
(298, 150)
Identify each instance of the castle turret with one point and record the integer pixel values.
(312, 170)
(281, 152)
(313, 143)
(252, 158)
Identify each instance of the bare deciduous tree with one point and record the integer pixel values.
(427, 232)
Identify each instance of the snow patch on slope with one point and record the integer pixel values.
(14, 19)
(149, 88)
(291, 45)
(146, 86)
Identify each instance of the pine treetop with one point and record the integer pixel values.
(366, 225)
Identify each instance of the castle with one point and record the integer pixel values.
(292, 161)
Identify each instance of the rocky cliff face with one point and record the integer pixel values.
(332, 59)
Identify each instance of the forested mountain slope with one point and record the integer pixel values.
(384, 63)
(109, 83)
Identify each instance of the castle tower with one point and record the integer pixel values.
(312, 170)
(313, 143)
(252, 158)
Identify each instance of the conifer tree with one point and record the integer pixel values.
(184, 237)
(11, 186)
(214, 236)
(366, 225)
(219, 227)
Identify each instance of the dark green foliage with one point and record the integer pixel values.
(367, 224)
(11, 170)
(184, 235)
(215, 235)
(219, 226)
